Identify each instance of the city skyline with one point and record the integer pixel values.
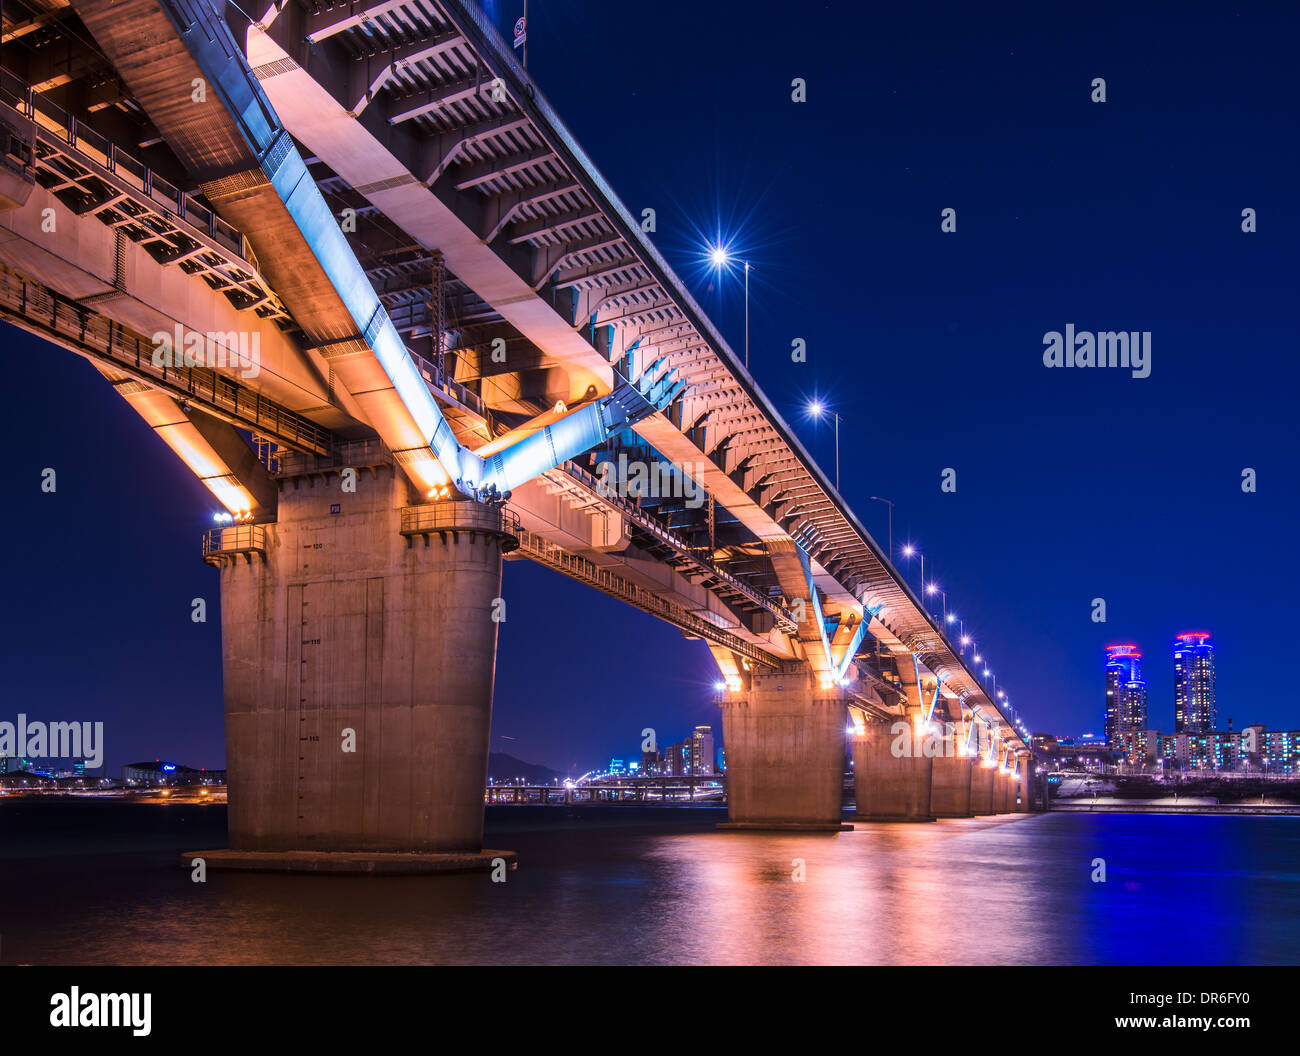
(1195, 702)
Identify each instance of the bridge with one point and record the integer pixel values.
(350, 266)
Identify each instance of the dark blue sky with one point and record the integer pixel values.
(1071, 484)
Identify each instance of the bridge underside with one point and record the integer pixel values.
(441, 303)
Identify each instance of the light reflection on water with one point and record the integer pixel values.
(606, 885)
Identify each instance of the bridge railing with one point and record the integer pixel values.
(450, 386)
(76, 133)
(434, 518)
(353, 454)
(543, 551)
(81, 327)
(232, 540)
(649, 524)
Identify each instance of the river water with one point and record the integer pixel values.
(98, 883)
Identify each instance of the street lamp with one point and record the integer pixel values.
(816, 408)
(720, 257)
(877, 498)
(909, 551)
(931, 589)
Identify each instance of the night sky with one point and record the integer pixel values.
(1071, 484)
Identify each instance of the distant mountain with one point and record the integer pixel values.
(503, 767)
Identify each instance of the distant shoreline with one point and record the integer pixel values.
(1141, 807)
(215, 794)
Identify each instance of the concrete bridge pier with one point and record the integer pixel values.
(1002, 786)
(893, 777)
(1026, 784)
(950, 792)
(358, 654)
(785, 753)
(981, 788)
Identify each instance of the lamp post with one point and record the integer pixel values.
(746, 263)
(877, 498)
(817, 409)
(720, 258)
(944, 595)
(931, 589)
(909, 551)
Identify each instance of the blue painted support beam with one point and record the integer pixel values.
(934, 700)
(815, 600)
(216, 53)
(859, 632)
(587, 427)
(214, 50)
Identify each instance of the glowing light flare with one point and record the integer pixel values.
(718, 256)
(430, 474)
(193, 450)
(231, 494)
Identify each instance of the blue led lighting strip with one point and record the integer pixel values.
(868, 612)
